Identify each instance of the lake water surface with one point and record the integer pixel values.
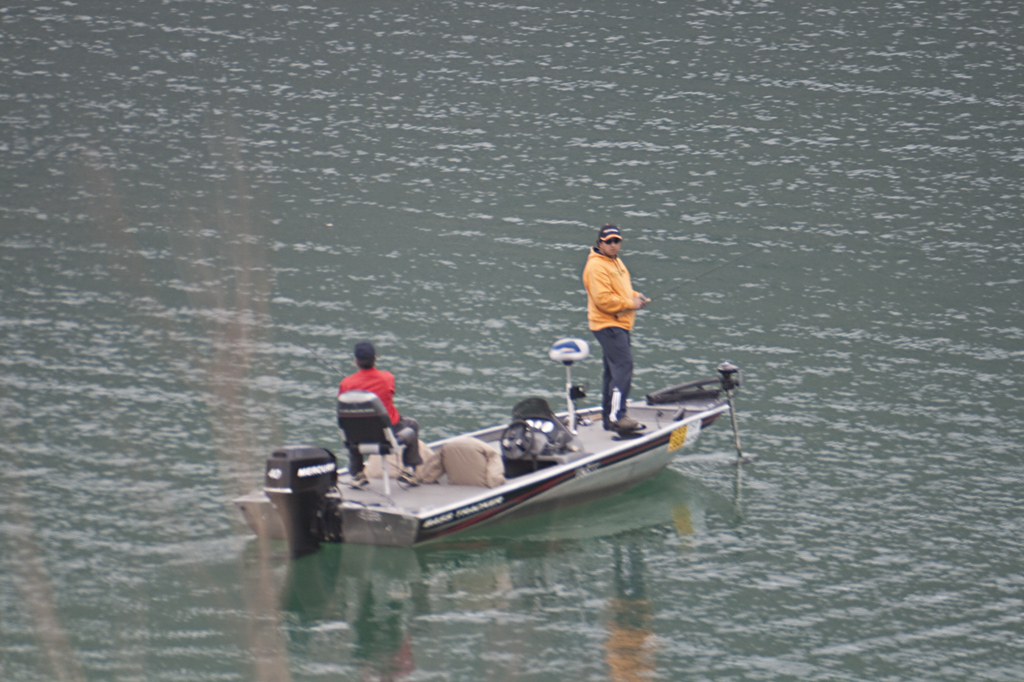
(204, 205)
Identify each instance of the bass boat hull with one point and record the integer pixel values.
(595, 462)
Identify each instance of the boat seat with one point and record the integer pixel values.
(366, 427)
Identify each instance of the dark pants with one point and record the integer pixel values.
(411, 453)
(411, 457)
(618, 371)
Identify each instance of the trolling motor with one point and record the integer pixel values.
(731, 376)
(568, 351)
(731, 379)
(297, 481)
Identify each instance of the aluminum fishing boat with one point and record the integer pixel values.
(546, 460)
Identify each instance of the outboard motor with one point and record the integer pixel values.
(297, 481)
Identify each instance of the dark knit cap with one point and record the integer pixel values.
(365, 351)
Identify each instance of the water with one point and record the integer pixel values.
(191, 193)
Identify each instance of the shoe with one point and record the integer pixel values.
(359, 481)
(625, 424)
(408, 478)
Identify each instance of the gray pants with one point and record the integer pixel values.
(411, 457)
(618, 371)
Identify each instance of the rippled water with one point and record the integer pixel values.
(195, 195)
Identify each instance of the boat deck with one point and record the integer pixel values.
(428, 496)
(366, 509)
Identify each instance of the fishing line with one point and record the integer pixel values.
(705, 273)
(322, 361)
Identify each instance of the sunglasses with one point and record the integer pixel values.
(613, 240)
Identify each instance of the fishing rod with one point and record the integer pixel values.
(706, 273)
(322, 361)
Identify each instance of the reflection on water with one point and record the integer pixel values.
(629, 650)
(380, 602)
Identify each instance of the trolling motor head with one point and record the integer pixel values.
(731, 376)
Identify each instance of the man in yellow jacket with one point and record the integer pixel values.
(611, 306)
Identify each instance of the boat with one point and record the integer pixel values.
(547, 460)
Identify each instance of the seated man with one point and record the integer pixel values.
(382, 384)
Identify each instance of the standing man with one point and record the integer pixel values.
(382, 384)
(611, 306)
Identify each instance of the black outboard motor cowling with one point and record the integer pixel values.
(297, 480)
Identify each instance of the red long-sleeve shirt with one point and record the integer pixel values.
(376, 381)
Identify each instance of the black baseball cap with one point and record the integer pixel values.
(607, 232)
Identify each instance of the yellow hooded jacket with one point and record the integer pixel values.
(609, 292)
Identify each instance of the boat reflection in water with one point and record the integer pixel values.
(360, 605)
